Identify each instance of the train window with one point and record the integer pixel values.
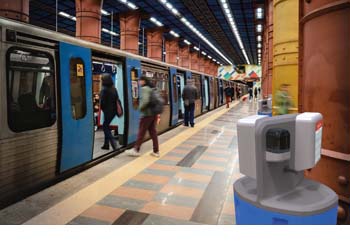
(30, 89)
(77, 88)
(197, 84)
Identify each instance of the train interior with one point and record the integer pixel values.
(180, 84)
(115, 69)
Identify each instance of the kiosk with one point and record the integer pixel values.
(273, 153)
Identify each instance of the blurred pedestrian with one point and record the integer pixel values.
(189, 96)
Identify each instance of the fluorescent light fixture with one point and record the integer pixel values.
(187, 42)
(155, 21)
(209, 56)
(259, 13)
(196, 48)
(259, 55)
(214, 60)
(258, 38)
(104, 12)
(170, 7)
(174, 33)
(259, 51)
(129, 4)
(259, 45)
(68, 16)
(204, 53)
(225, 6)
(164, 52)
(259, 28)
(110, 32)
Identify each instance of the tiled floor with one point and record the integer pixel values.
(191, 184)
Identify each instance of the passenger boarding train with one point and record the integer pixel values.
(49, 104)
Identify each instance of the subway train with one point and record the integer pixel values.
(49, 110)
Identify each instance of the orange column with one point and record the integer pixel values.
(88, 24)
(194, 61)
(206, 65)
(155, 43)
(185, 57)
(270, 48)
(172, 51)
(15, 9)
(129, 31)
(325, 88)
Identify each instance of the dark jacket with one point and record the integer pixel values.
(190, 93)
(228, 91)
(146, 92)
(108, 98)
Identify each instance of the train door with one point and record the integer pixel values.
(159, 76)
(113, 68)
(211, 93)
(174, 98)
(133, 73)
(198, 102)
(221, 92)
(76, 106)
(180, 80)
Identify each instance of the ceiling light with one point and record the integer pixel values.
(131, 5)
(189, 25)
(68, 16)
(209, 56)
(259, 28)
(104, 12)
(259, 45)
(230, 19)
(174, 33)
(110, 32)
(258, 38)
(259, 51)
(214, 60)
(187, 42)
(155, 21)
(259, 13)
(196, 48)
(169, 5)
(204, 53)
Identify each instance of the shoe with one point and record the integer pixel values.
(132, 152)
(105, 147)
(155, 154)
(186, 125)
(192, 125)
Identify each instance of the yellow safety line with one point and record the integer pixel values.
(68, 209)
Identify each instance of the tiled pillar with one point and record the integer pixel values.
(185, 57)
(172, 51)
(129, 31)
(155, 43)
(88, 24)
(15, 9)
(325, 88)
(285, 51)
(194, 61)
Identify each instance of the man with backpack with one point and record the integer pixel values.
(189, 96)
(151, 106)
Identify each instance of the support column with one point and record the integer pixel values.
(206, 66)
(285, 50)
(15, 9)
(172, 51)
(129, 31)
(185, 59)
(325, 88)
(269, 29)
(88, 24)
(155, 43)
(194, 61)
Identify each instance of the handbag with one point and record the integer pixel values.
(119, 108)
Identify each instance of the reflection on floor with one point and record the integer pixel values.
(98, 142)
(192, 184)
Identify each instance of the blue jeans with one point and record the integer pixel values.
(189, 114)
(108, 135)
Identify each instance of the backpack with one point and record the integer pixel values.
(156, 102)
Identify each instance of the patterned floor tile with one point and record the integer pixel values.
(193, 177)
(213, 163)
(188, 183)
(208, 167)
(162, 220)
(158, 172)
(134, 193)
(182, 190)
(173, 211)
(177, 200)
(122, 202)
(81, 220)
(198, 171)
(227, 220)
(143, 185)
(103, 213)
(130, 217)
(152, 178)
(166, 162)
(163, 167)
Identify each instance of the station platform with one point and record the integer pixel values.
(191, 183)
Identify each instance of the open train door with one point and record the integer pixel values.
(76, 106)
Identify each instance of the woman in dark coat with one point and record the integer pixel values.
(108, 98)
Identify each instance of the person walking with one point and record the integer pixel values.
(228, 96)
(148, 120)
(189, 96)
(250, 91)
(232, 93)
(108, 97)
(255, 93)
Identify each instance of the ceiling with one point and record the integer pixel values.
(207, 16)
